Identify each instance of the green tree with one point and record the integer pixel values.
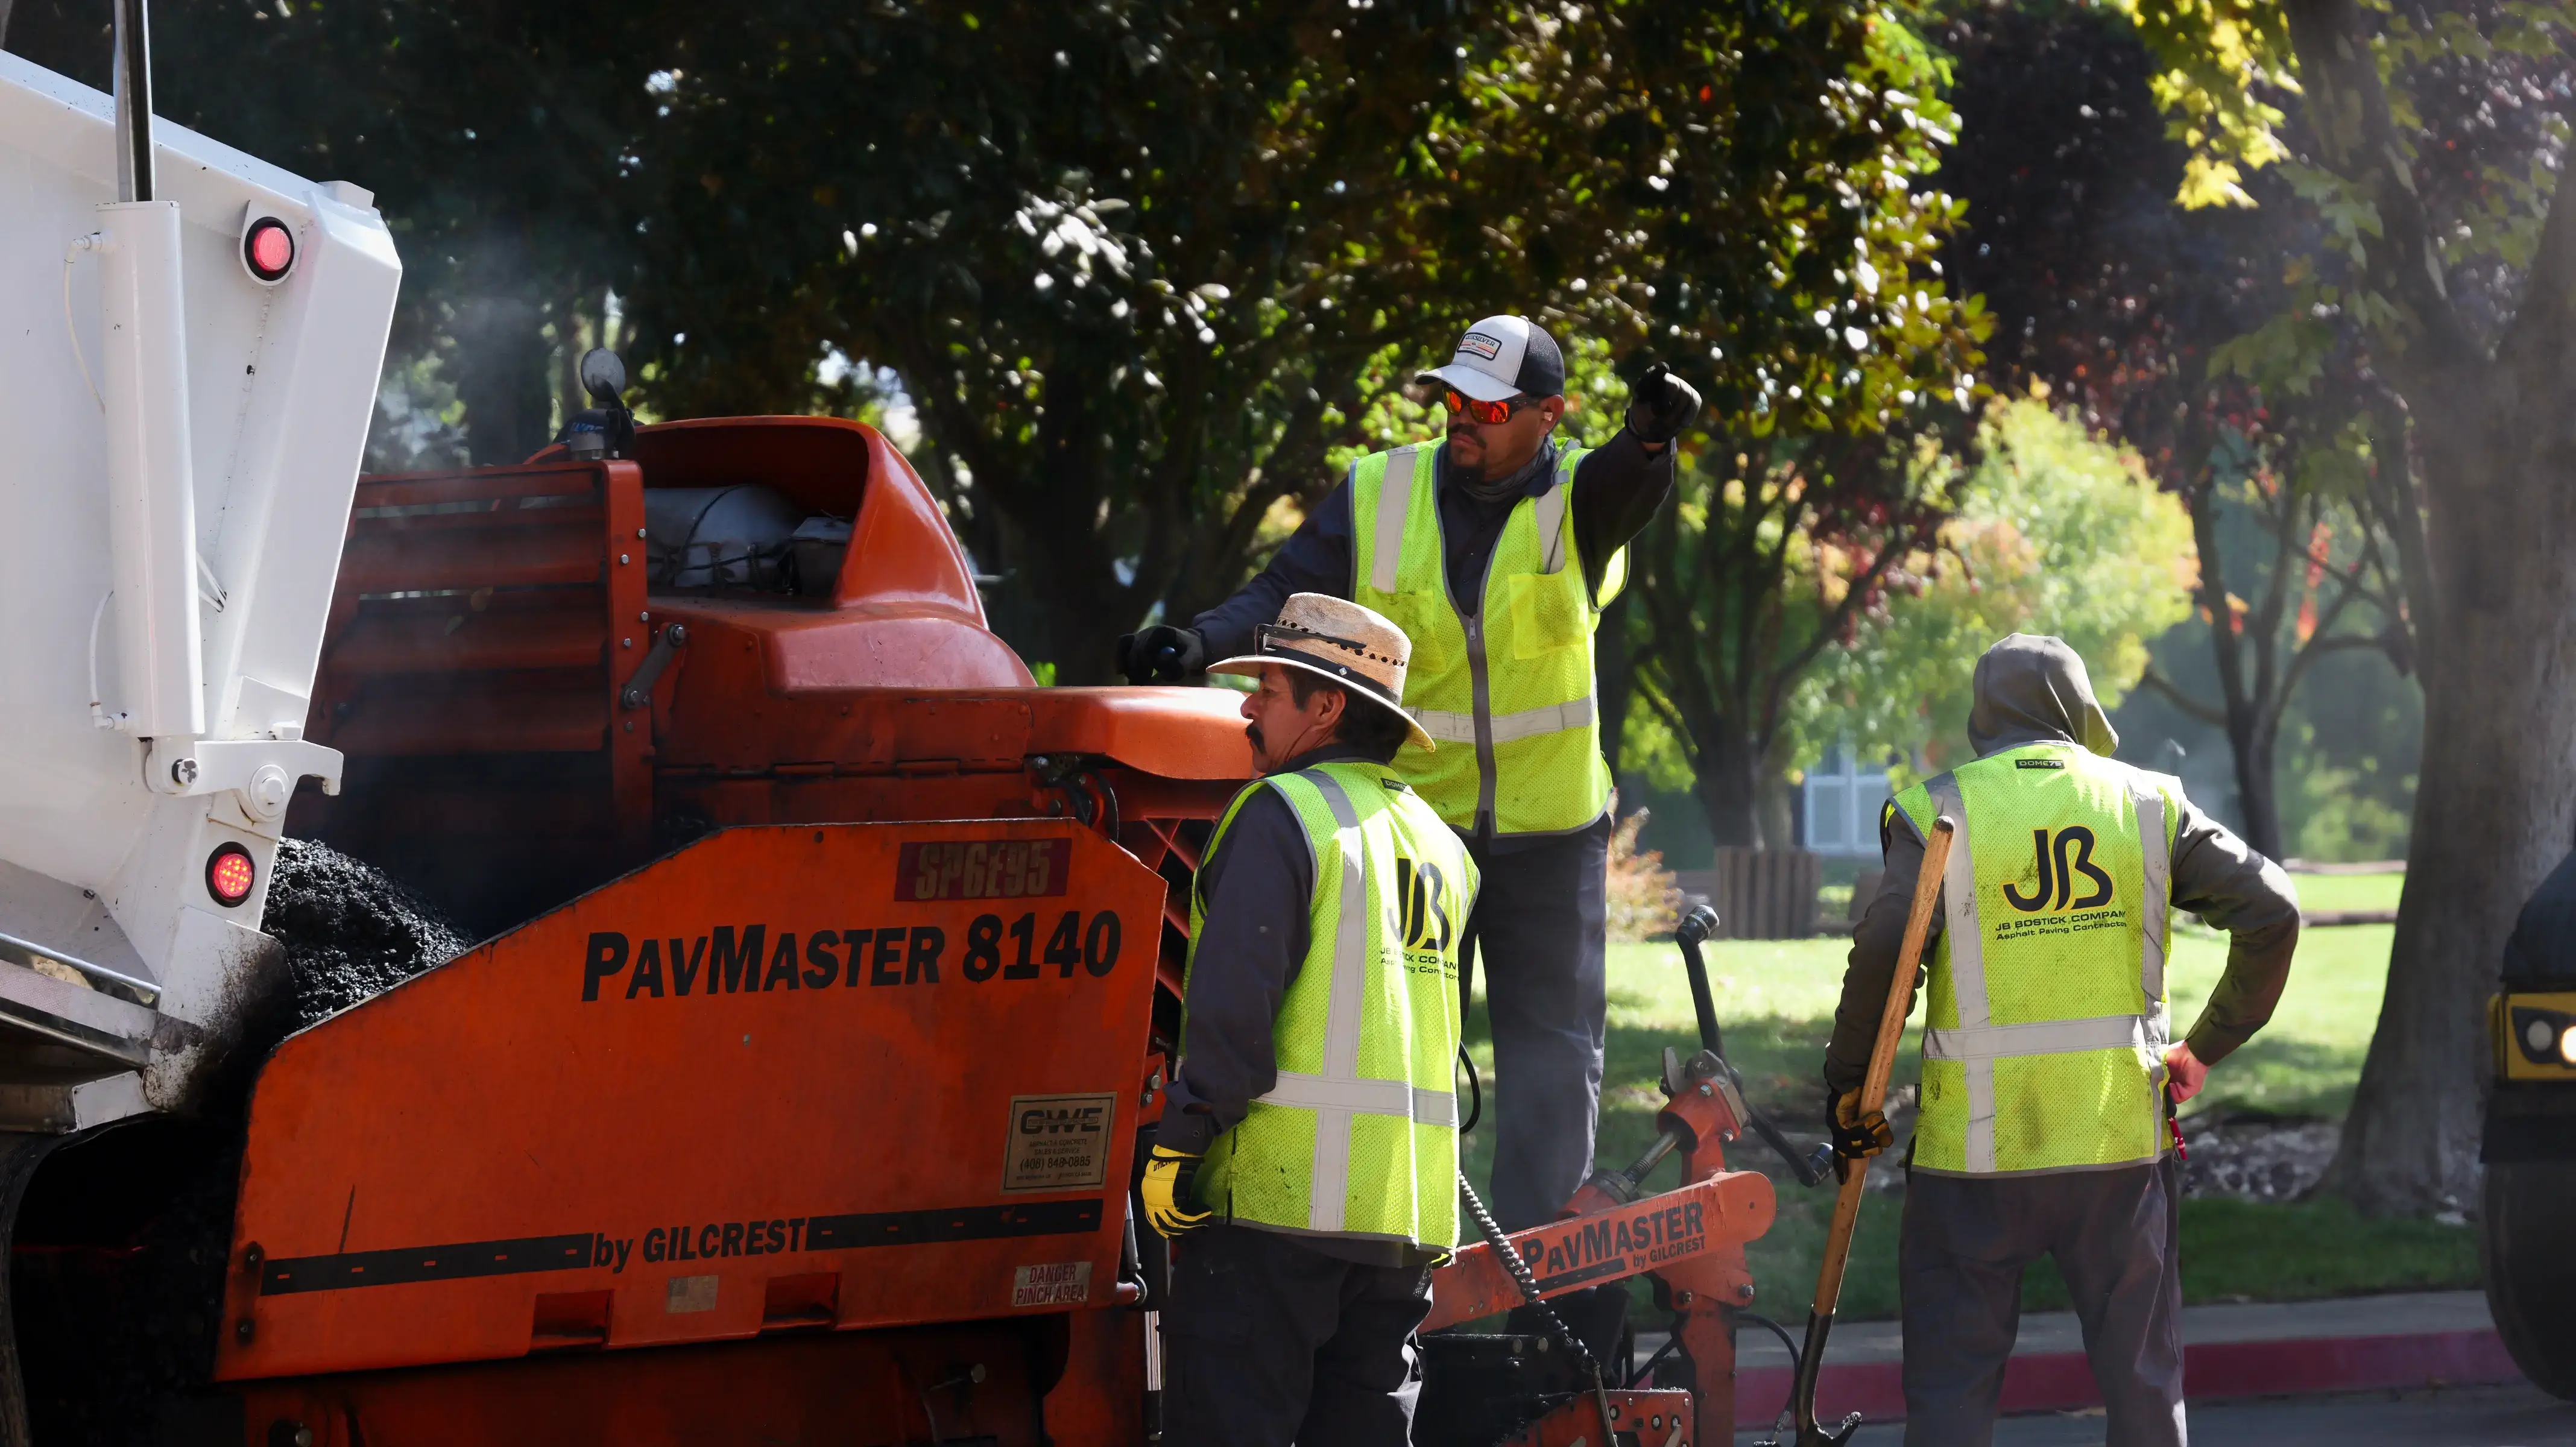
(1810, 305)
(2449, 245)
(2057, 531)
(2294, 515)
(1134, 262)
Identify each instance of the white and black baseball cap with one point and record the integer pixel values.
(1503, 357)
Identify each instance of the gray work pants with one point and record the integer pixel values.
(1268, 1341)
(1541, 916)
(1960, 1258)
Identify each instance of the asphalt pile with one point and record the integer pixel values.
(350, 930)
(124, 1241)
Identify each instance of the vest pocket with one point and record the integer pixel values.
(1547, 612)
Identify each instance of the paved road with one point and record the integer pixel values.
(2516, 1416)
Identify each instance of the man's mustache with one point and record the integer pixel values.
(1253, 732)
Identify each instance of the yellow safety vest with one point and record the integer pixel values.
(1506, 694)
(2046, 1024)
(1359, 1137)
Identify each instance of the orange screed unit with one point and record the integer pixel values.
(789, 1079)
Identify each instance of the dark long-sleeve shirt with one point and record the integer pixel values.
(2214, 875)
(1616, 491)
(1257, 889)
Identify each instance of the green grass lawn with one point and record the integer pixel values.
(2319, 893)
(1775, 1004)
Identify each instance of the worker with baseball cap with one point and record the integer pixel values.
(1307, 1160)
(1495, 551)
(2047, 1058)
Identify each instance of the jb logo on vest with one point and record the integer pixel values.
(1423, 898)
(2057, 872)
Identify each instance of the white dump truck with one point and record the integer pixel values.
(190, 340)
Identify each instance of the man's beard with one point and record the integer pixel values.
(1465, 474)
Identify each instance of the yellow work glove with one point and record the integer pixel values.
(1168, 1177)
(1857, 1137)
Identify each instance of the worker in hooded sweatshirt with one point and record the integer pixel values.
(2048, 1062)
(1496, 552)
(1306, 1165)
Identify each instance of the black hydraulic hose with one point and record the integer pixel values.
(1528, 1284)
(1475, 1090)
(1695, 928)
(1809, 1169)
(1788, 1404)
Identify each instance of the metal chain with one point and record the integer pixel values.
(1528, 1284)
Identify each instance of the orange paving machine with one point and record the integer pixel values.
(803, 1106)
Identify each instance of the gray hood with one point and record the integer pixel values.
(2032, 689)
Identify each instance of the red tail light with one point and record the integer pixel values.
(230, 874)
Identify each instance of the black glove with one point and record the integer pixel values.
(1660, 406)
(1856, 1136)
(1161, 654)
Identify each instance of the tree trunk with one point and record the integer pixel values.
(2498, 796)
(1773, 814)
(2257, 793)
(1727, 788)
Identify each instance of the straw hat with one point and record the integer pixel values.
(1339, 641)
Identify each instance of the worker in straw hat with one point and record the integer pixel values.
(1496, 549)
(1307, 1159)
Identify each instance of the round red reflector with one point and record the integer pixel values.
(230, 874)
(269, 249)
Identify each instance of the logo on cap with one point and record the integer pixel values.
(1480, 344)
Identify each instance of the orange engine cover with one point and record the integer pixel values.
(791, 1077)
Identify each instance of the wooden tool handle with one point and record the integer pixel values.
(1909, 962)
(1882, 1056)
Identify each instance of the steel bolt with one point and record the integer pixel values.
(625, 642)
(183, 772)
(244, 1330)
(621, 560)
(639, 532)
(1682, 1300)
(1745, 1292)
(287, 1432)
(252, 1256)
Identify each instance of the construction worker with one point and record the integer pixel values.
(1495, 552)
(1309, 1141)
(2047, 1066)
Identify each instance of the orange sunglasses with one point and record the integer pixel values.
(1488, 413)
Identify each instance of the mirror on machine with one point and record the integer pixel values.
(607, 430)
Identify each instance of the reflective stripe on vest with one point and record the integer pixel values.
(1460, 728)
(1392, 888)
(1976, 1043)
(1507, 692)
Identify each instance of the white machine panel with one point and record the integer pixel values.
(279, 386)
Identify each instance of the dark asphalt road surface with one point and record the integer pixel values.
(2516, 1416)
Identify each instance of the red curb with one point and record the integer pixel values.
(2063, 1381)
